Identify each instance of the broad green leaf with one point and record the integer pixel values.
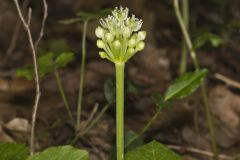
(206, 37)
(60, 153)
(63, 59)
(12, 151)
(160, 102)
(110, 90)
(152, 151)
(185, 84)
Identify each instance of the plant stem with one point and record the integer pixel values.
(145, 128)
(185, 12)
(63, 95)
(120, 109)
(82, 71)
(91, 125)
(203, 87)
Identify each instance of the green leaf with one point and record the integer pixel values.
(94, 15)
(12, 151)
(152, 151)
(82, 16)
(70, 21)
(159, 101)
(206, 37)
(58, 45)
(110, 90)
(185, 84)
(61, 153)
(26, 72)
(63, 59)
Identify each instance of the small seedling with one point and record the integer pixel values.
(119, 39)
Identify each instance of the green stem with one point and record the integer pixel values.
(120, 109)
(82, 70)
(63, 95)
(185, 11)
(203, 87)
(144, 129)
(92, 124)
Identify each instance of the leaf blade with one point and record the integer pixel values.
(185, 85)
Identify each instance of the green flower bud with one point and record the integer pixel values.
(99, 32)
(117, 44)
(141, 35)
(127, 32)
(132, 42)
(103, 54)
(100, 44)
(109, 37)
(140, 46)
(130, 51)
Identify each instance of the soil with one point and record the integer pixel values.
(150, 71)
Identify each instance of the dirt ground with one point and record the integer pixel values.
(182, 127)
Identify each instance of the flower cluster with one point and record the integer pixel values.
(119, 36)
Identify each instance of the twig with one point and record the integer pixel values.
(43, 23)
(26, 24)
(198, 151)
(16, 31)
(227, 80)
(93, 112)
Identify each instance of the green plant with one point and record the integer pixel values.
(84, 17)
(185, 13)
(203, 87)
(119, 39)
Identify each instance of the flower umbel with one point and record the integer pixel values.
(119, 36)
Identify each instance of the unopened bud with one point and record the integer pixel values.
(109, 37)
(126, 32)
(100, 44)
(99, 32)
(132, 42)
(141, 35)
(103, 54)
(140, 46)
(130, 51)
(117, 44)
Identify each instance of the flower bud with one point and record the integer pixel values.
(130, 51)
(99, 32)
(140, 46)
(132, 42)
(109, 37)
(141, 35)
(100, 44)
(103, 54)
(117, 44)
(126, 32)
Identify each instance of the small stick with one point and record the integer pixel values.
(16, 31)
(198, 151)
(227, 80)
(26, 24)
(93, 113)
(43, 23)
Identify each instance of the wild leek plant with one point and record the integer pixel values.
(119, 39)
(203, 87)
